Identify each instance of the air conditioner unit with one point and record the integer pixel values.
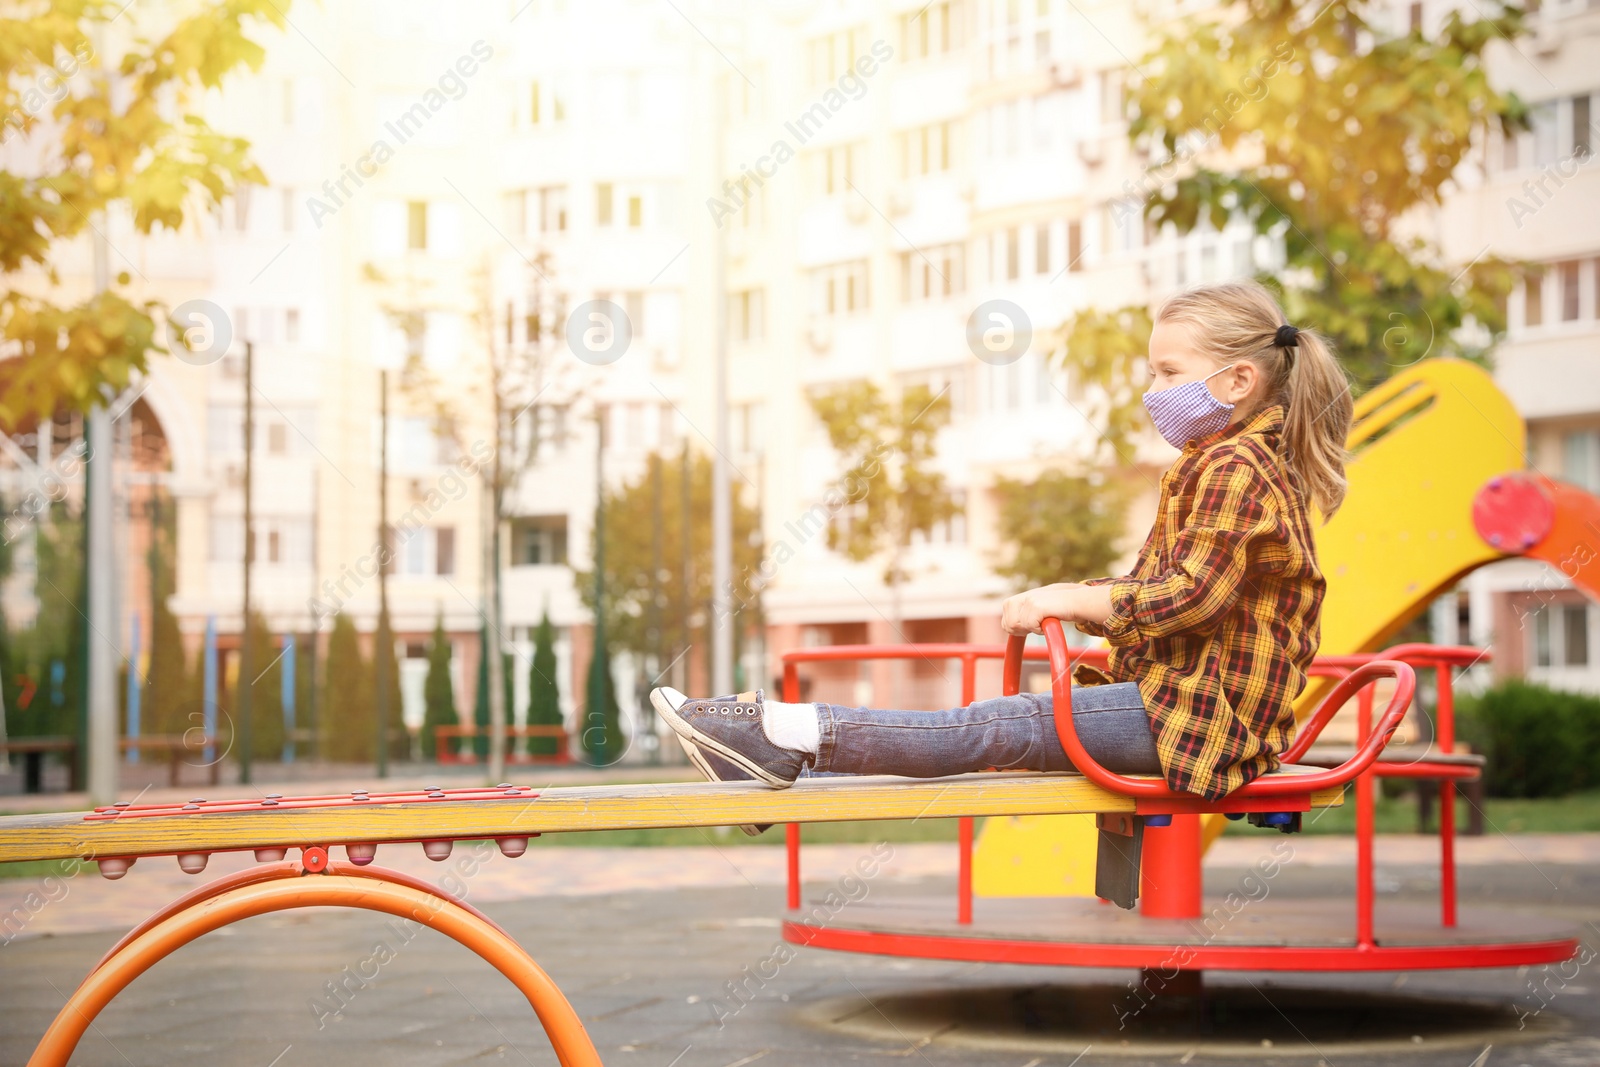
(900, 199)
(1092, 151)
(855, 209)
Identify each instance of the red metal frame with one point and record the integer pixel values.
(1171, 862)
(1197, 957)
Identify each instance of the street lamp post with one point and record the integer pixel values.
(245, 666)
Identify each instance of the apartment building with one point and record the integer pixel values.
(1533, 199)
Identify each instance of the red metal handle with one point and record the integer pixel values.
(1358, 679)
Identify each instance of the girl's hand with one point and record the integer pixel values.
(1070, 602)
(1025, 612)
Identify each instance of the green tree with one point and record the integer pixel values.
(1063, 527)
(266, 692)
(385, 662)
(125, 131)
(1334, 134)
(49, 651)
(544, 693)
(167, 684)
(601, 724)
(438, 691)
(480, 704)
(888, 447)
(348, 707)
(631, 529)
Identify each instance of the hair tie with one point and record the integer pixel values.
(1287, 336)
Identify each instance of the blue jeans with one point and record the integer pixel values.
(1008, 733)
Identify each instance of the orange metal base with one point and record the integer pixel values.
(276, 889)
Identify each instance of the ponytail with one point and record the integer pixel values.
(1316, 423)
(1241, 320)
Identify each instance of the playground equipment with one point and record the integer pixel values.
(1175, 936)
(116, 836)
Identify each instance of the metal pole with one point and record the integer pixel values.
(133, 686)
(286, 695)
(381, 652)
(245, 669)
(721, 502)
(101, 750)
(686, 543)
(598, 681)
(100, 573)
(498, 712)
(646, 710)
(208, 690)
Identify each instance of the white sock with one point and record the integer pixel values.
(792, 726)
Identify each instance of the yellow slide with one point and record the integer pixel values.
(1422, 445)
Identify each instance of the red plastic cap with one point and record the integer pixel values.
(1513, 513)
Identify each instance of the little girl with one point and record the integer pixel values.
(1210, 634)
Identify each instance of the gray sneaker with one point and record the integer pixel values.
(717, 769)
(729, 727)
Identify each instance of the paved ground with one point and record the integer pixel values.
(648, 944)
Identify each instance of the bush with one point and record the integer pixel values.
(1539, 742)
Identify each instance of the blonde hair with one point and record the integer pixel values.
(1234, 321)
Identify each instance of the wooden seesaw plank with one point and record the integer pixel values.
(563, 809)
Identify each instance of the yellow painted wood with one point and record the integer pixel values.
(615, 807)
(1422, 445)
(1035, 856)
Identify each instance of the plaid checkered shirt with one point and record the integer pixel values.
(1221, 616)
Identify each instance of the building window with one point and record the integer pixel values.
(1581, 142)
(1568, 273)
(1580, 459)
(288, 210)
(747, 315)
(934, 30)
(417, 225)
(291, 326)
(425, 551)
(277, 439)
(748, 420)
(831, 55)
(925, 149)
(1575, 634)
(1013, 241)
(1041, 248)
(635, 211)
(1533, 300)
(602, 204)
(839, 289)
(951, 531)
(1561, 635)
(834, 170)
(1075, 245)
(932, 273)
(539, 540)
(553, 209)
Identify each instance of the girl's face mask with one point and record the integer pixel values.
(1185, 412)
